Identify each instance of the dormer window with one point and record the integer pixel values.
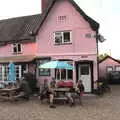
(17, 48)
(62, 37)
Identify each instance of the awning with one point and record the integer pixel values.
(22, 58)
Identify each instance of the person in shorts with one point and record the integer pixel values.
(51, 92)
(47, 92)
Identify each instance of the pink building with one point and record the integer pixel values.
(62, 32)
(108, 64)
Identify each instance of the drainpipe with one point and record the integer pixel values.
(74, 73)
(97, 57)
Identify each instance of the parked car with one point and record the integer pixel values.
(114, 77)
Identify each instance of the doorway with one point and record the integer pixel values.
(84, 74)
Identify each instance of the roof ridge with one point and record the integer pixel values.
(13, 18)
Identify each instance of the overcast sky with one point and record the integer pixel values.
(106, 12)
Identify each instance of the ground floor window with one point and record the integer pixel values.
(117, 68)
(109, 68)
(18, 70)
(63, 74)
(4, 71)
(44, 72)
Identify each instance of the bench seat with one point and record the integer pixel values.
(18, 96)
(61, 98)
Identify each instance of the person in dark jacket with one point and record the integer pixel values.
(80, 90)
(25, 88)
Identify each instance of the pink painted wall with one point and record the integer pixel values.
(28, 49)
(32, 68)
(74, 22)
(80, 44)
(103, 66)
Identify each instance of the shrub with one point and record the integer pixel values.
(31, 81)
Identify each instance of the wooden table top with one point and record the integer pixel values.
(61, 89)
(8, 89)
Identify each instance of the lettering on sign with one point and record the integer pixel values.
(84, 56)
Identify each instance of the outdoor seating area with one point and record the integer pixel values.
(10, 92)
(94, 107)
(55, 91)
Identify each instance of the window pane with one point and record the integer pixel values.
(5, 72)
(58, 37)
(63, 74)
(84, 70)
(44, 72)
(0, 73)
(57, 74)
(14, 49)
(19, 47)
(70, 74)
(109, 68)
(117, 68)
(66, 37)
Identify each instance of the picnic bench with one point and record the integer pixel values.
(10, 94)
(60, 94)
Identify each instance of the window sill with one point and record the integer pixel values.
(17, 53)
(45, 75)
(62, 44)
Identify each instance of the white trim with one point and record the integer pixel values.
(3, 72)
(85, 78)
(62, 33)
(70, 54)
(16, 45)
(20, 71)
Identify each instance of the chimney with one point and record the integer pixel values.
(44, 4)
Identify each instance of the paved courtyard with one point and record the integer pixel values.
(95, 108)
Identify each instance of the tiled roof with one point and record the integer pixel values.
(18, 28)
(25, 28)
(118, 61)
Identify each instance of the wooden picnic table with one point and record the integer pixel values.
(9, 93)
(61, 89)
(61, 94)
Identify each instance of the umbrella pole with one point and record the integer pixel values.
(60, 74)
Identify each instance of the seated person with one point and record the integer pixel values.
(53, 83)
(47, 91)
(51, 92)
(71, 96)
(44, 89)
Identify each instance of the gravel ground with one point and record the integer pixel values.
(95, 108)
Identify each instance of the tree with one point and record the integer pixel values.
(102, 56)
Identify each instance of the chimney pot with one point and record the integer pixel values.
(44, 4)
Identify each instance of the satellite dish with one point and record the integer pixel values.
(101, 38)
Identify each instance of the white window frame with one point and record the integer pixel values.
(108, 68)
(117, 68)
(3, 68)
(59, 70)
(16, 45)
(20, 71)
(3, 72)
(62, 34)
(41, 70)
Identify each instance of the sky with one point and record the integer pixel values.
(105, 12)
